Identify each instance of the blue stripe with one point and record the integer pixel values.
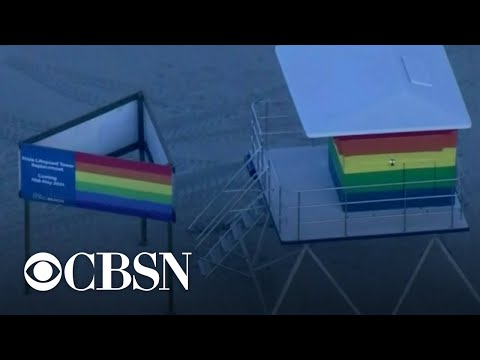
(124, 206)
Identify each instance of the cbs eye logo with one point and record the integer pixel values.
(42, 265)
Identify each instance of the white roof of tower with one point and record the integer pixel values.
(371, 89)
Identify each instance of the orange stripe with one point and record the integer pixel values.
(123, 164)
(124, 173)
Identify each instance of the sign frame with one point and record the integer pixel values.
(140, 144)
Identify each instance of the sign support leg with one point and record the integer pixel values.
(143, 220)
(26, 232)
(171, 310)
(143, 232)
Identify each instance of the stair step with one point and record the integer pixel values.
(257, 210)
(250, 167)
(237, 230)
(216, 254)
(205, 267)
(260, 202)
(247, 219)
(227, 241)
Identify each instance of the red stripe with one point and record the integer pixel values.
(407, 134)
(107, 161)
(396, 143)
(124, 173)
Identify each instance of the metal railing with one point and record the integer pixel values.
(271, 121)
(405, 212)
(262, 176)
(222, 214)
(224, 190)
(259, 142)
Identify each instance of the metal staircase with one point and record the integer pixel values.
(231, 215)
(229, 241)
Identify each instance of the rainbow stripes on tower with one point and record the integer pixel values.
(394, 166)
(119, 185)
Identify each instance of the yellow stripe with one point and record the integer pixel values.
(124, 183)
(381, 162)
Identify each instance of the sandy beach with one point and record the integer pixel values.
(200, 97)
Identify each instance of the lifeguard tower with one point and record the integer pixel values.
(367, 148)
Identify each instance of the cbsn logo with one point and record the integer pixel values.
(44, 263)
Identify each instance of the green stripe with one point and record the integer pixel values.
(390, 177)
(122, 192)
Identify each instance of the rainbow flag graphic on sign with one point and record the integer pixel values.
(97, 182)
(108, 183)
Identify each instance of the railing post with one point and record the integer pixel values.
(298, 215)
(261, 156)
(252, 145)
(279, 209)
(452, 208)
(269, 179)
(404, 200)
(265, 178)
(266, 121)
(346, 214)
(461, 196)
